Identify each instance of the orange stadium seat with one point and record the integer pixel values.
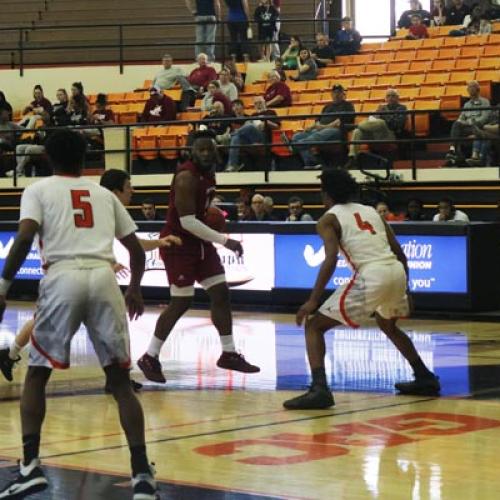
(331, 71)
(449, 53)
(454, 41)
(492, 50)
(454, 90)
(420, 66)
(361, 59)
(412, 79)
(388, 81)
(462, 76)
(296, 86)
(357, 95)
(115, 97)
(307, 97)
(432, 43)
(426, 54)
(405, 55)
(317, 109)
(408, 92)
(430, 91)
(190, 116)
(167, 145)
(345, 82)
(343, 59)
(377, 95)
(384, 57)
(317, 85)
(353, 70)
(494, 38)
(146, 147)
(489, 62)
(299, 110)
(92, 99)
(364, 82)
(128, 117)
(443, 65)
(474, 51)
(398, 67)
(436, 78)
(370, 47)
(476, 40)
(254, 89)
(487, 75)
(466, 64)
(422, 120)
(281, 111)
(391, 45)
(411, 44)
(376, 68)
(174, 94)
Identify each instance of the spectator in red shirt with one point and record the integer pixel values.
(159, 107)
(201, 76)
(278, 94)
(102, 115)
(417, 30)
(40, 106)
(213, 95)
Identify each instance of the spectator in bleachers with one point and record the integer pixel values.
(159, 107)
(476, 23)
(236, 76)
(415, 8)
(148, 209)
(201, 76)
(172, 75)
(275, 48)
(331, 126)
(470, 117)
(417, 29)
(382, 207)
(258, 210)
(289, 57)
(238, 112)
(279, 68)
(213, 95)
(347, 40)
(386, 126)
(447, 212)
(226, 86)
(242, 209)
(206, 14)
(438, 13)
(256, 131)
(5, 104)
(36, 109)
(60, 109)
(269, 207)
(238, 15)
(102, 115)
(456, 13)
(481, 147)
(414, 210)
(79, 109)
(278, 94)
(213, 124)
(265, 16)
(307, 69)
(296, 211)
(323, 52)
(7, 135)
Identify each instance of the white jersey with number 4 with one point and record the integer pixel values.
(77, 218)
(364, 238)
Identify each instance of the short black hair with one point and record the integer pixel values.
(102, 99)
(448, 200)
(114, 179)
(295, 199)
(148, 201)
(203, 134)
(66, 151)
(339, 185)
(419, 202)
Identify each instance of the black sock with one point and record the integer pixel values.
(319, 377)
(31, 447)
(420, 370)
(139, 460)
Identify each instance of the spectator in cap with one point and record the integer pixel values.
(331, 126)
(347, 40)
(159, 107)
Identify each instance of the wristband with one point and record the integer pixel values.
(4, 286)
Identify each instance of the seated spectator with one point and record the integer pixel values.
(257, 209)
(226, 86)
(323, 52)
(257, 131)
(307, 69)
(438, 13)
(474, 24)
(102, 115)
(5, 104)
(289, 57)
(269, 207)
(447, 212)
(238, 112)
(383, 210)
(481, 147)
(417, 30)
(169, 77)
(159, 107)
(79, 109)
(331, 126)
(148, 209)
(279, 68)
(456, 13)
(212, 123)
(213, 95)
(242, 210)
(296, 211)
(78, 92)
(8, 137)
(415, 8)
(469, 118)
(265, 16)
(60, 109)
(414, 210)
(347, 40)
(278, 94)
(236, 76)
(202, 75)
(379, 127)
(36, 109)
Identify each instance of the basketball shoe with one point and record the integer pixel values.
(7, 364)
(29, 480)
(151, 367)
(421, 386)
(318, 397)
(144, 485)
(237, 362)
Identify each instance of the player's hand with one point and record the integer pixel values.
(134, 302)
(121, 271)
(3, 305)
(169, 240)
(235, 246)
(305, 311)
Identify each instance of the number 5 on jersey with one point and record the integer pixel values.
(84, 218)
(363, 224)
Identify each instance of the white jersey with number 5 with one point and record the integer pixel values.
(77, 218)
(363, 239)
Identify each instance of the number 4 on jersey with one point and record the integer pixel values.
(86, 217)
(363, 224)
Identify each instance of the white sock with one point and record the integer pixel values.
(227, 343)
(155, 346)
(14, 351)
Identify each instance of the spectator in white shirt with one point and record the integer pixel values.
(227, 87)
(447, 212)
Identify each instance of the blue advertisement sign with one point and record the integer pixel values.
(31, 269)
(437, 263)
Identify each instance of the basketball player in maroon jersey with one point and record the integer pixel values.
(196, 259)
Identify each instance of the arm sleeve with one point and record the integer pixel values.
(124, 225)
(31, 207)
(194, 226)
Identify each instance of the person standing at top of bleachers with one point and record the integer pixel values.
(438, 13)
(206, 14)
(238, 15)
(415, 8)
(347, 40)
(457, 13)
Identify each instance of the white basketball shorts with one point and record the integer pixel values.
(73, 292)
(376, 288)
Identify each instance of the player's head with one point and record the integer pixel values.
(118, 182)
(204, 152)
(66, 151)
(337, 186)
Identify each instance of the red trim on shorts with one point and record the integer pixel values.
(53, 362)
(346, 318)
(126, 364)
(348, 257)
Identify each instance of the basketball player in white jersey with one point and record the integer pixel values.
(378, 287)
(77, 221)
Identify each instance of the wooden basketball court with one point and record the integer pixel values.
(216, 434)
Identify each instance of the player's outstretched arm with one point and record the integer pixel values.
(17, 255)
(328, 228)
(166, 241)
(133, 297)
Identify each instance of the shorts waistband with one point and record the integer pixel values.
(78, 263)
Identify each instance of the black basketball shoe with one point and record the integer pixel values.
(29, 480)
(316, 398)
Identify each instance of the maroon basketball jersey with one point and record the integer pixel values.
(203, 195)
